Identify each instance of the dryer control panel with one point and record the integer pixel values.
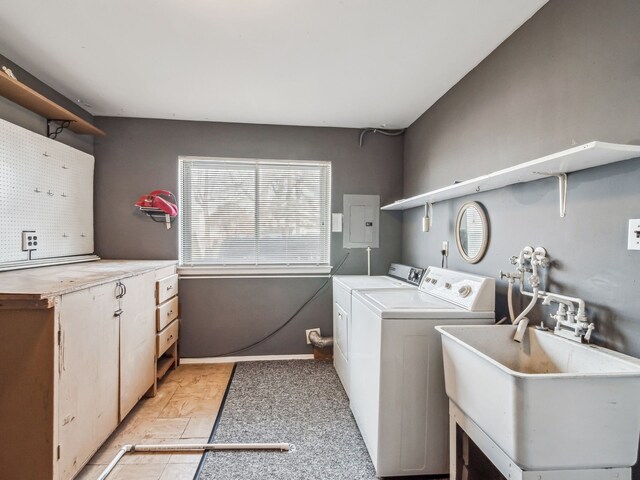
(472, 292)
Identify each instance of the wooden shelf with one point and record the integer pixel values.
(164, 364)
(592, 154)
(24, 96)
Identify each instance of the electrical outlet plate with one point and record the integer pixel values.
(634, 234)
(307, 332)
(29, 240)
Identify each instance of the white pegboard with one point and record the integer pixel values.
(45, 186)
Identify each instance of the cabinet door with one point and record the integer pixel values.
(88, 375)
(137, 340)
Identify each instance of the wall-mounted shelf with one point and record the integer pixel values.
(592, 154)
(28, 98)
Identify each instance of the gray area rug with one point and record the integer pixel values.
(298, 402)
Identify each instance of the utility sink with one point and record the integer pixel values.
(548, 403)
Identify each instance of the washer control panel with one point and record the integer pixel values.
(472, 292)
(409, 274)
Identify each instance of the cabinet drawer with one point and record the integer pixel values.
(166, 288)
(166, 337)
(166, 313)
(165, 272)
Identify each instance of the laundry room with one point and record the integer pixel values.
(346, 240)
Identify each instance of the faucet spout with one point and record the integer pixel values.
(521, 329)
(562, 300)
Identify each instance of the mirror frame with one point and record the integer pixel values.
(485, 235)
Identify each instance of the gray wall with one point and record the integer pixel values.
(570, 75)
(21, 116)
(221, 315)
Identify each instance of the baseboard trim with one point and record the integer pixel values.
(248, 358)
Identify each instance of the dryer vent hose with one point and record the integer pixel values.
(318, 341)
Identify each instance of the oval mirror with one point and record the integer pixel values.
(472, 232)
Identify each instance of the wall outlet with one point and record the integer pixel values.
(307, 332)
(634, 234)
(29, 240)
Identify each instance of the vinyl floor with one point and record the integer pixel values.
(183, 411)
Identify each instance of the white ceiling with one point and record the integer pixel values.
(343, 63)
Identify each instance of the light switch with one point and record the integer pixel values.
(336, 222)
(634, 234)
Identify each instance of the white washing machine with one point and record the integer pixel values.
(397, 390)
(399, 276)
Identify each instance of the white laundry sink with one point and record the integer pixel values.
(548, 403)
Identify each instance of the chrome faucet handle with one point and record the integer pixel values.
(590, 328)
(544, 262)
(502, 275)
(558, 318)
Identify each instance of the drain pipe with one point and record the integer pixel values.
(189, 447)
(319, 341)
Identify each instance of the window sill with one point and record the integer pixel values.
(255, 272)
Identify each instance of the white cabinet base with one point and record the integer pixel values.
(505, 465)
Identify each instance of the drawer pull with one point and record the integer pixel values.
(170, 338)
(170, 287)
(118, 312)
(169, 313)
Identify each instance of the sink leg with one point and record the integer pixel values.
(465, 455)
(453, 447)
(469, 431)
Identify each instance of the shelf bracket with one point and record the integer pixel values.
(562, 189)
(56, 126)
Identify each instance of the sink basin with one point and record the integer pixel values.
(548, 403)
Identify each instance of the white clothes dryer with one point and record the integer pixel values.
(399, 276)
(396, 371)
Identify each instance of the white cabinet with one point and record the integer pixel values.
(88, 374)
(78, 352)
(137, 339)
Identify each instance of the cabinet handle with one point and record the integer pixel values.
(170, 287)
(118, 312)
(169, 313)
(170, 337)
(340, 316)
(122, 290)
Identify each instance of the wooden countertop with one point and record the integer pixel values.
(45, 283)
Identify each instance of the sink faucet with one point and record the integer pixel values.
(529, 260)
(569, 323)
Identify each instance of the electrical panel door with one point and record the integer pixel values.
(361, 221)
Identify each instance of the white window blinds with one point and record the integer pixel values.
(236, 212)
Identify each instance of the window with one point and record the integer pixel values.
(259, 216)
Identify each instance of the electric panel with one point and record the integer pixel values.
(361, 221)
